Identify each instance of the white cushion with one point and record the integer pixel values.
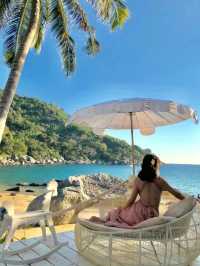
(154, 221)
(147, 223)
(181, 208)
(97, 226)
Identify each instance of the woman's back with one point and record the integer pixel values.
(150, 192)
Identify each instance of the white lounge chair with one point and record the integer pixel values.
(12, 221)
(174, 243)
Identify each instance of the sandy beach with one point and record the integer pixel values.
(22, 200)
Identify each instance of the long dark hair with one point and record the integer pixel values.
(149, 167)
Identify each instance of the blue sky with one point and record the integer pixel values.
(156, 55)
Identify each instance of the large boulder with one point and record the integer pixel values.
(65, 199)
(100, 183)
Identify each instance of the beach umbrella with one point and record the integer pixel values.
(137, 113)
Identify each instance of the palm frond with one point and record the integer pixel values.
(113, 12)
(80, 18)
(92, 46)
(40, 37)
(5, 6)
(11, 34)
(44, 17)
(102, 7)
(44, 20)
(119, 15)
(24, 20)
(17, 28)
(77, 14)
(19, 24)
(46, 5)
(59, 25)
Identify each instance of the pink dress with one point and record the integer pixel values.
(146, 207)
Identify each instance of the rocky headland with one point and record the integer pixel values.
(29, 160)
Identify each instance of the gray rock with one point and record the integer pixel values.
(31, 160)
(74, 180)
(100, 183)
(64, 200)
(13, 189)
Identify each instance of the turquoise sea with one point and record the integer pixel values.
(183, 177)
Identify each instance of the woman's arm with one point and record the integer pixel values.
(166, 187)
(133, 196)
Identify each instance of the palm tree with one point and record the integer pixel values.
(25, 22)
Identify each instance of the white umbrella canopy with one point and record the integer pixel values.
(137, 113)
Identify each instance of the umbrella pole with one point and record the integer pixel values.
(132, 142)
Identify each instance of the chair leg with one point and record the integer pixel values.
(155, 252)
(9, 237)
(43, 228)
(110, 250)
(88, 244)
(52, 230)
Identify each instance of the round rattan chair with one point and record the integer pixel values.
(175, 243)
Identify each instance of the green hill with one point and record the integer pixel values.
(37, 129)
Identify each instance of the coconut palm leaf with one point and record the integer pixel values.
(4, 10)
(4, 4)
(119, 15)
(80, 18)
(46, 5)
(44, 18)
(92, 46)
(59, 25)
(113, 12)
(40, 36)
(77, 14)
(11, 34)
(17, 28)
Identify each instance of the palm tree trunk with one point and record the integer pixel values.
(17, 67)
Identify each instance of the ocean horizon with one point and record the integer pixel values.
(185, 177)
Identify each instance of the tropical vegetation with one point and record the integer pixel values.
(40, 130)
(25, 22)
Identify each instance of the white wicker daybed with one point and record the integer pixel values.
(176, 242)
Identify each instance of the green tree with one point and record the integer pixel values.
(7, 143)
(19, 147)
(29, 131)
(26, 22)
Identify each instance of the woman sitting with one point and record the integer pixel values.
(149, 186)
